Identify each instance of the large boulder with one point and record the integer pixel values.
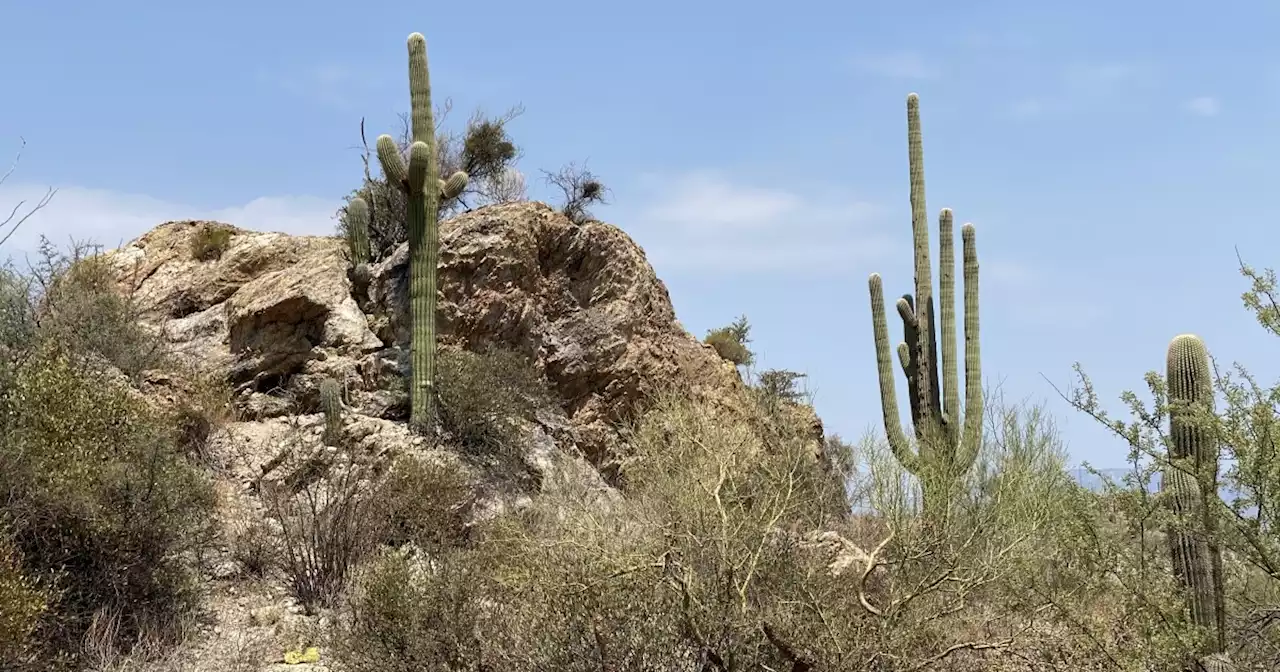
(580, 300)
(277, 312)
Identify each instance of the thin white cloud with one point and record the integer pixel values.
(1038, 300)
(897, 65)
(334, 85)
(703, 221)
(1203, 106)
(110, 218)
(1027, 108)
(1008, 40)
(1082, 86)
(1101, 75)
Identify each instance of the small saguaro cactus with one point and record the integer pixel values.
(358, 231)
(1190, 483)
(422, 185)
(331, 404)
(947, 436)
(358, 240)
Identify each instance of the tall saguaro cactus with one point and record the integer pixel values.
(422, 185)
(947, 435)
(1191, 485)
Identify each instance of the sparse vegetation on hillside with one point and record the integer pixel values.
(723, 532)
(730, 342)
(210, 242)
(484, 151)
(104, 512)
(485, 395)
(580, 189)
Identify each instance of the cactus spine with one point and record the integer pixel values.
(947, 436)
(331, 404)
(421, 183)
(1191, 485)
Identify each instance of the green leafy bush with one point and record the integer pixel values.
(99, 492)
(426, 502)
(730, 342)
(80, 308)
(23, 600)
(210, 241)
(416, 613)
(485, 395)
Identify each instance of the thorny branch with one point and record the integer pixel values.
(15, 220)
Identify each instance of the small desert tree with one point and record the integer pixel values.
(730, 342)
(483, 149)
(580, 189)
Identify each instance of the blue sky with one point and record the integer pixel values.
(1111, 155)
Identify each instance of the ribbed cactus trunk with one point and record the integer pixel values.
(331, 405)
(358, 240)
(947, 435)
(1190, 483)
(424, 189)
(419, 181)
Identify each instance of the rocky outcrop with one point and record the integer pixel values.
(276, 312)
(273, 315)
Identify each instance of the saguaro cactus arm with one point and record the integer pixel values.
(392, 163)
(947, 297)
(453, 186)
(884, 368)
(971, 441)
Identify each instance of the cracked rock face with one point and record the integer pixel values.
(276, 312)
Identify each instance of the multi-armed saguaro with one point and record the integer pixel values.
(945, 445)
(1191, 485)
(421, 183)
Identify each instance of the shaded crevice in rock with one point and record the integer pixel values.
(582, 302)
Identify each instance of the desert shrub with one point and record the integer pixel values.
(23, 600)
(427, 502)
(779, 385)
(331, 515)
(255, 547)
(98, 491)
(730, 342)
(416, 612)
(210, 241)
(725, 554)
(419, 605)
(79, 307)
(484, 396)
(205, 408)
(326, 535)
(483, 149)
(580, 189)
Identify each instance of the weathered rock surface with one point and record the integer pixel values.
(275, 314)
(581, 301)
